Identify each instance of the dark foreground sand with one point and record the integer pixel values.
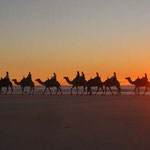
(74, 122)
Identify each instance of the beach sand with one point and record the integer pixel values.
(74, 122)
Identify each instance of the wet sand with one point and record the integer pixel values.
(74, 122)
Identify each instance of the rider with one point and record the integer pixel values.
(145, 78)
(78, 75)
(114, 76)
(29, 76)
(82, 76)
(97, 76)
(54, 77)
(7, 75)
(77, 78)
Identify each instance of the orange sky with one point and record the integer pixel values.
(66, 36)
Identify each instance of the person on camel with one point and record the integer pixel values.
(54, 78)
(145, 78)
(114, 76)
(29, 77)
(7, 75)
(77, 78)
(82, 76)
(97, 76)
(78, 75)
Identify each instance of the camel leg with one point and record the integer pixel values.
(33, 90)
(60, 90)
(135, 90)
(22, 88)
(97, 90)
(102, 91)
(0, 90)
(50, 90)
(30, 90)
(57, 91)
(119, 90)
(83, 90)
(119, 93)
(105, 90)
(110, 90)
(139, 91)
(44, 91)
(6, 90)
(11, 90)
(71, 90)
(87, 90)
(145, 91)
(90, 91)
(77, 90)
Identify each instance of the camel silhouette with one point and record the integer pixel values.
(110, 83)
(94, 83)
(76, 83)
(5, 83)
(25, 82)
(50, 83)
(90, 83)
(139, 83)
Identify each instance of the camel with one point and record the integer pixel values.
(76, 84)
(139, 83)
(94, 83)
(25, 83)
(5, 83)
(110, 83)
(50, 83)
(90, 83)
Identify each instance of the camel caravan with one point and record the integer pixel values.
(78, 81)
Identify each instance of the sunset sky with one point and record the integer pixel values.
(64, 36)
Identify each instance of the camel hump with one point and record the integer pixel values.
(5, 80)
(26, 81)
(142, 80)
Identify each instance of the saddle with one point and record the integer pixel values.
(27, 80)
(112, 80)
(142, 80)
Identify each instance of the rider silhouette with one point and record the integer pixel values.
(114, 76)
(146, 78)
(54, 77)
(77, 78)
(78, 75)
(7, 75)
(29, 76)
(97, 76)
(83, 76)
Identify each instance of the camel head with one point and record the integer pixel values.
(127, 78)
(38, 80)
(66, 78)
(14, 80)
